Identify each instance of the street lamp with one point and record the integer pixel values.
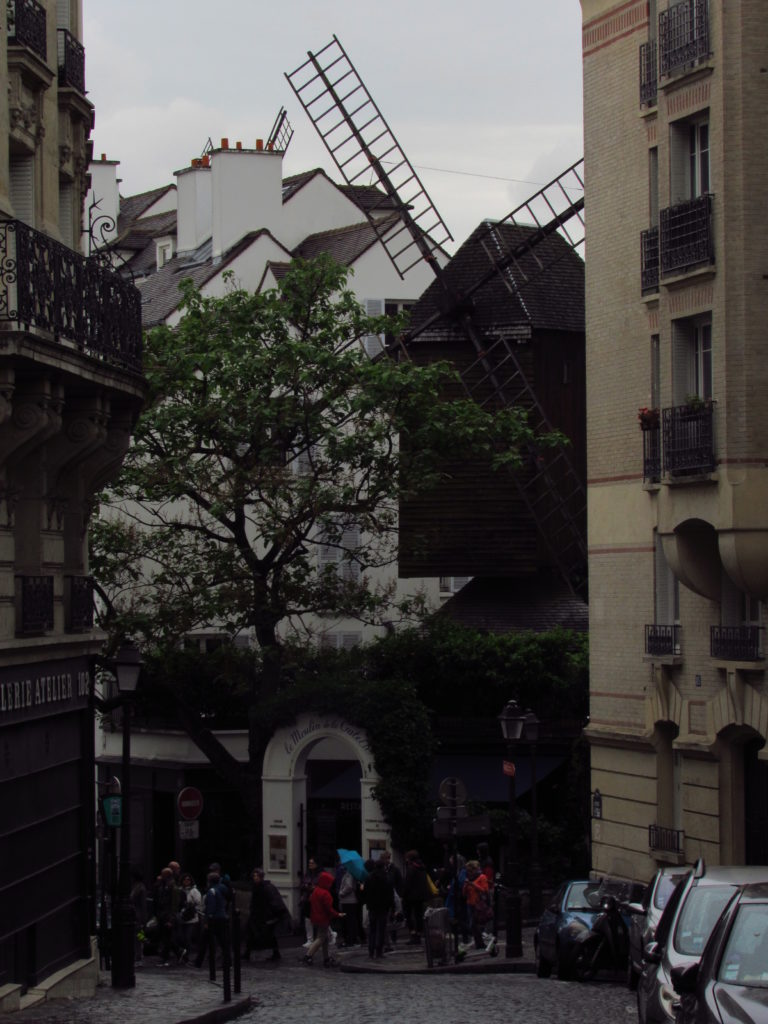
(127, 667)
(512, 720)
(517, 724)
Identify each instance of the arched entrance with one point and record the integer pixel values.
(326, 751)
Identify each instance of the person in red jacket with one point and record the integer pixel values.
(321, 913)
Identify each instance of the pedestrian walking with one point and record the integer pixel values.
(216, 923)
(394, 877)
(190, 915)
(477, 897)
(167, 910)
(416, 892)
(379, 898)
(138, 897)
(348, 903)
(308, 883)
(321, 913)
(266, 912)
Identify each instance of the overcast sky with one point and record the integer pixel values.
(484, 98)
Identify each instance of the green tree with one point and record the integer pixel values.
(268, 432)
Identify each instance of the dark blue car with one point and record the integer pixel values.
(573, 908)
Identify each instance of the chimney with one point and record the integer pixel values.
(193, 197)
(247, 191)
(104, 191)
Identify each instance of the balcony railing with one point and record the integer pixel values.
(662, 640)
(78, 603)
(648, 74)
(683, 35)
(670, 840)
(71, 61)
(686, 238)
(649, 260)
(736, 643)
(34, 605)
(26, 26)
(688, 439)
(44, 284)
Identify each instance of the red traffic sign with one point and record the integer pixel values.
(190, 803)
(509, 767)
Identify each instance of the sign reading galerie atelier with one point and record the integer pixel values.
(45, 688)
(321, 725)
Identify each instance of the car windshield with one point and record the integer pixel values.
(699, 916)
(745, 960)
(578, 896)
(664, 889)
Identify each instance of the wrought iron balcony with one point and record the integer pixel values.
(670, 840)
(45, 285)
(648, 75)
(688, 439)
(736, 643)
(686, 235)
(652, 454)
(34, 605)
(71, 61)
(26, 26)
(662, 640)
(78, 603)
(683, 35)
(649, 260)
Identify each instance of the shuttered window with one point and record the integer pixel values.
(22, 188)
(373, 343)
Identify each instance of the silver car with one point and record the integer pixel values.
(645, 917)
(686, 923)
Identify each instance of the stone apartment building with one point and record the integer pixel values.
(70, 391)
(676, 142)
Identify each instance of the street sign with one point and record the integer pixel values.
(113, 811)
(444, 813)
(189, 830)
(452, 791)
(476, 825)
(509, 768)
(190, 803)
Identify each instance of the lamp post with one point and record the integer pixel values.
(511, 720)
(531, 734)
(127, 667)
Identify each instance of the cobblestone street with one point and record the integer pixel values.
(291, 993)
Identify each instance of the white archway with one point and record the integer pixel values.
(284, 788)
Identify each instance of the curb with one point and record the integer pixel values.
(220, 1014)
(488, 967)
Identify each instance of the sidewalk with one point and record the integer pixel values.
(181, 994)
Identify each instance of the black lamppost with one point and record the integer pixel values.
(127, 668)
(512, 720)
(531, 735)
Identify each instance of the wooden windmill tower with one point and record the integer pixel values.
(516, 251)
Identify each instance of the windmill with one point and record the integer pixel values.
(361, 144)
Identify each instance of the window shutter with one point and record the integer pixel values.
(63, 15)
(350, 540)
(66, 225)
(22, 188)
(373, 343)
(350, 640)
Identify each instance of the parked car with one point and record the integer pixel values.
(729, 985)
(682, 933)
(645, 915)
(572, 911)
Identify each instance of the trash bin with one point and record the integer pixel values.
(438, 937)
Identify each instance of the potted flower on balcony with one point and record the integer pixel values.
(649, 418)
(696, 403)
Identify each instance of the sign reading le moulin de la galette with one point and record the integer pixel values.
(45, 688)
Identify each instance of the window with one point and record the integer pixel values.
(653, 187)
(667, 596)
(453, 584)
(339, 551)
(392, 307)
(689, 159)
(340, 641)
(66, 213)
(373, 343)
(692, 359)
(655, 372)
(22, 187)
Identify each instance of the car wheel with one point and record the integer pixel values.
(632, 977)
(564, 968)
(543, 967)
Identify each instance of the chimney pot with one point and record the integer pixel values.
(206, 161)
(238, 145)
(103, 156)
(259, 144)
(225, 143)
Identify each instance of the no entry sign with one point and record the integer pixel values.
(190, 803)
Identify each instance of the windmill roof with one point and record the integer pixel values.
(538, 603)
(552, 300)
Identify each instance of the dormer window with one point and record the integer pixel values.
(164, 251)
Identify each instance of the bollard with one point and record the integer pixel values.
(211, 954)
(226, 964)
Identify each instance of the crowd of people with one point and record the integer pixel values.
(345, 905)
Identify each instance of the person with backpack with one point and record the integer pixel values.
(267, 910)
(216, 924)
(167, 905)
(190, 914)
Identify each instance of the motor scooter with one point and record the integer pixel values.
(605, 946)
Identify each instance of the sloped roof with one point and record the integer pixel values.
(132, 207)
(160, 291)
(140, 238)
(537, 603)
(553, 300)
(345, 244)
(365, 197)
